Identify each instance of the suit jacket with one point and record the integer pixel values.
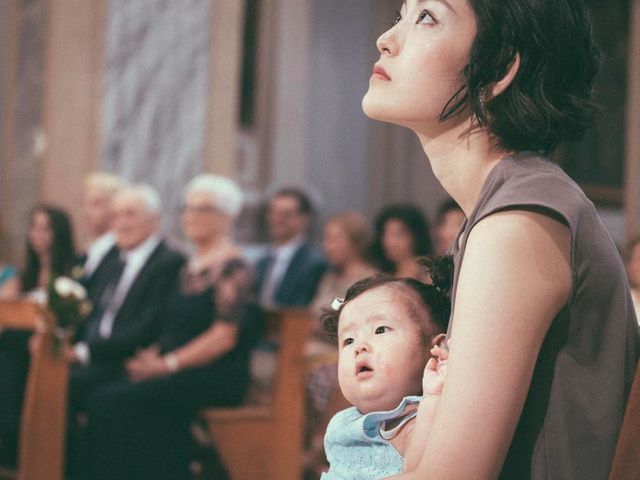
(138, 319)
(300, 281)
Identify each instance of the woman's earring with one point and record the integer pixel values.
(482, 98)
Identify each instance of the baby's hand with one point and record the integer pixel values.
(435, 371)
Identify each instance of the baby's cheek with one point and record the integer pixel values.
(386, 366)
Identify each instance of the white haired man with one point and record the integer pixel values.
(129, 294)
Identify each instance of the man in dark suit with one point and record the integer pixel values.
(290, 272)
(128, 291)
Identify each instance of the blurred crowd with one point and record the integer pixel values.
(171, 332)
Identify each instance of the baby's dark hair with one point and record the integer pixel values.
(434, 299)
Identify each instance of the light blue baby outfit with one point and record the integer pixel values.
(355, 448)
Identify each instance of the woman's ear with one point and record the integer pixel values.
(502, 84)
(438, 339)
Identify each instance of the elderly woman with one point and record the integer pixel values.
(139, 428)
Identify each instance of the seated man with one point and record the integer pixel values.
(290, 272)
(129, 293)
(97, 212)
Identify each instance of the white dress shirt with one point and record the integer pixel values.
(282, 256)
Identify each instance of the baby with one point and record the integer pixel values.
(388, 331)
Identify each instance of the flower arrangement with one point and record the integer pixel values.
(67, 301)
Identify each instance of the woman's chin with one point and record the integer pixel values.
(372, 108)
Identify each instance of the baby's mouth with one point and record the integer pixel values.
(363, 368)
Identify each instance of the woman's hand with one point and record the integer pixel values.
(148, 363)
(435, 371)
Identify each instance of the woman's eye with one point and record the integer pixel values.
(347, 341)
(397, 19)
(380, 330)
(425, 18)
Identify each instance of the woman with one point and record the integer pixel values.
(401, 237)
(544, 340)
(139, 428)
(346, 241)
(449, 219)
(49, 251)
(633, 270)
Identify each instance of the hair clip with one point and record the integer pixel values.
(337, 303)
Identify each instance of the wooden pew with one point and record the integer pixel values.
(266, 443)
(42, 430)
(626, 461)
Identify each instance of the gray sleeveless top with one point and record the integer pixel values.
(574, 408)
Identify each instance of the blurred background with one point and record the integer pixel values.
(265, 91)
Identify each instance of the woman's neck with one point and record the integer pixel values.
(407, 268)
(461, 162)
(45, 261)
(352, 268)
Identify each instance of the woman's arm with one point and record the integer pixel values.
(232, 293)
(515, 278)
(10, 289)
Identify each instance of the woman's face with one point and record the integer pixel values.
(397, 241)
(40, 233)
(201, 220)
(421, 60)
(336, 245)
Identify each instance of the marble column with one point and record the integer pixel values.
(155, 94)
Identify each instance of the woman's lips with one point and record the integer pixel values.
(381, 73)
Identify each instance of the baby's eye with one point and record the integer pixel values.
(425, 18)
(380, 330)
(347, 341)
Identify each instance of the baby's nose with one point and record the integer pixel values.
(363, 347)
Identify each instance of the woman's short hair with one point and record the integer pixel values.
(415, 221)
(357, 229)
(550, 99)
(224, 192)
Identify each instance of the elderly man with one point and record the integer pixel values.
(289, 274)
(100, 188)
(129, 293)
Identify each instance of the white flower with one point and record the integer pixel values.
(65, 287)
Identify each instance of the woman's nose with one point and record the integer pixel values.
(385, 43)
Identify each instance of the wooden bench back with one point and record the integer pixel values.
(42, 430)
(266, 443)
(626, 461)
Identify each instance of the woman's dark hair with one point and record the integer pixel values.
(416, 223)
(62, 248)
(550, 99)
(435, 300)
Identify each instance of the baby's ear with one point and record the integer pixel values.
(439, 339)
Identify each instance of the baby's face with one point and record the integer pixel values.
(382, 352)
